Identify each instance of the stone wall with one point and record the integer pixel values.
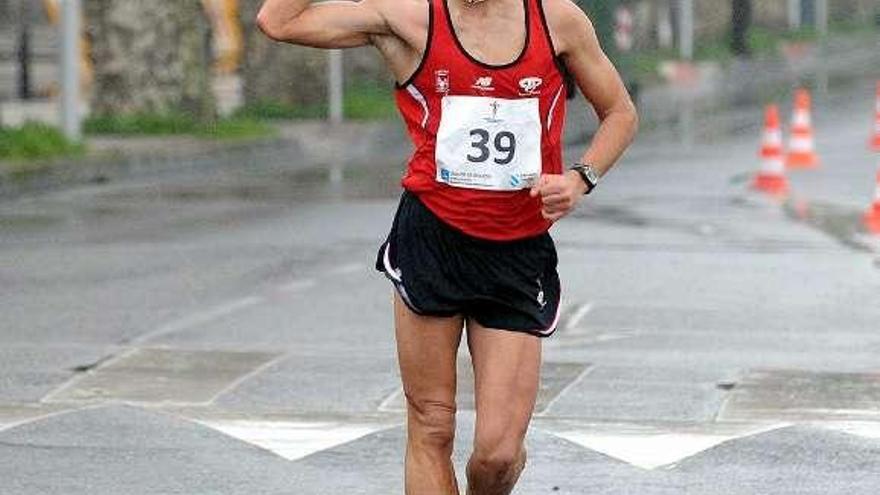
(149, 56)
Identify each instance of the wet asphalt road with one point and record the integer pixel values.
(225, 333)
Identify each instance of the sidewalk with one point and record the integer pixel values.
(299, 145)
(683, 111)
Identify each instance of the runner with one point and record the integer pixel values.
(481, 87)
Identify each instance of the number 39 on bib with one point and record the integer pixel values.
(489, 143)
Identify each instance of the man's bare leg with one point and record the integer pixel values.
(507, 372)
(427, 350)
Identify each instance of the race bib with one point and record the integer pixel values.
(486, 143)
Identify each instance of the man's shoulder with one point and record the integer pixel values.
(567, 21)
(398, 8)
(564, 12)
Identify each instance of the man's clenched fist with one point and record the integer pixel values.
(559, 194)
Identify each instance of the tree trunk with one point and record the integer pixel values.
(150, 57)
(278, 73)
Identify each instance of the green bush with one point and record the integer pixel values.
(35, 141)
(146, 124)
(363, 101)
(235, 128)
(370, 102)
(154, 124)
(273, 110)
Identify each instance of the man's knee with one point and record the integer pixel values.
(432, 423)
(499, 459)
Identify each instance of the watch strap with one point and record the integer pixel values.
(588, 174)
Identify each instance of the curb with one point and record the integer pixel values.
(299, 146)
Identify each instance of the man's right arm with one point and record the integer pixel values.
(331, 24)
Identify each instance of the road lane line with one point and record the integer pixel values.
(385, 405)
(33, 419)
(348, 269)
(241, 379)
(199, 318)
(49, 397)
(298, 285)
(578, 316)
(552, 402)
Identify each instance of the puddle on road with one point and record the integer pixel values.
(161, 376)
(785, 395)
(842, 224)
(220, 198)
(26, 222)
(629, 217)
(277, 186)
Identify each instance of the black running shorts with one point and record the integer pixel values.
(440, 271)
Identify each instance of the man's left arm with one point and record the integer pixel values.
(601, 84)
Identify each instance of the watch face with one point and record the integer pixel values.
(592, 175)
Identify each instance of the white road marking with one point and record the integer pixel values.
(578, 317)
(347, 269)
(298, 285)
(241, 379)
(294, 440)
(649, 447)
(199, 318)
(611, 337)
(564, 390)
(864, 429)
(50, 397)
(40, 417)
(385, 405)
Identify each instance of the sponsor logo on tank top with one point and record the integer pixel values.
(484, 84)
(531, 86)
(441, 81)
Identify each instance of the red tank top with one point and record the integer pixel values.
(447, 69)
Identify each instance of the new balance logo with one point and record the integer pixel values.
(484, 84)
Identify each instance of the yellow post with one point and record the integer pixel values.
(228, 39)
(53, 12)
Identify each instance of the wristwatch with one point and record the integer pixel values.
(588, 175)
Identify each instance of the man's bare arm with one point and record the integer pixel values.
(600, 83)
(331, 24)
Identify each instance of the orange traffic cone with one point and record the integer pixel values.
(802, 146)
(872, 218)
(771, 179)
(875, 141)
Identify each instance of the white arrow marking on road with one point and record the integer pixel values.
(293, 440)
(650, 448)
(862, 429)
